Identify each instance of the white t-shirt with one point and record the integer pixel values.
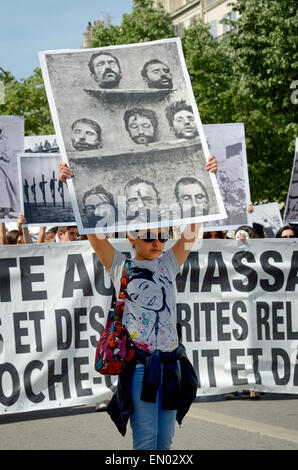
(150, 306)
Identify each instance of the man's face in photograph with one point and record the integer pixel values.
(98, 206)
(106, 73)
(184, 125)
(84, 137)
(140, 196)
(158, 76)
(193, 198)
(140, 129)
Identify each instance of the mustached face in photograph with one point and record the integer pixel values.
(105, 70)
(156, 74)
(85, 135)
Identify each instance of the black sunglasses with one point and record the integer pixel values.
(288, 236)
(151, 237)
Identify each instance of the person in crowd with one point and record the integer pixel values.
(181, 120)
(156, 74)
(67, 234)
(287, 231)
(245, 232)
(259, 230)
(86, 135)
(50, 234)
(8, 238)
(214, 235)
(141, 125)
(21, 235)
(105, 70)
(149, 391)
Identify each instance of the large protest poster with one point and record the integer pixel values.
(227, 143)
(267, 215)
(291, 209)
(44, 198)
(11, 142)
(236, 304)
(127, 124)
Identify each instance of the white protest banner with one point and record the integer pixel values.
(236, 304)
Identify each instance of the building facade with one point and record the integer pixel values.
(186, 12)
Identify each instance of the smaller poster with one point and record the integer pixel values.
(291, 210)
(267, 215)
(45, 199)
(227, 143)
(11, 142)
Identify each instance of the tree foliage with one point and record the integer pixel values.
(264, 67)
(28, 98)
(145, 23)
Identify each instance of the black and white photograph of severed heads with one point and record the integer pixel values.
(44, 199)
(128, 126)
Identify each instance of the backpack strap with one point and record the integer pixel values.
(119, 310)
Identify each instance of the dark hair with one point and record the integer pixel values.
(91, 123)
(99, 189)
(175, 108)
(259, 229)
(220, 233)
(138, 180)
(12, 237)
(149, 62)
(251, 232)
(147, 113)
(97, 54)
(286, 227)
(52, 230)
(188, 180)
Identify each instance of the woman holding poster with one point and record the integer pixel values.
(160, 385)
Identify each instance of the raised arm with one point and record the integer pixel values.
(102, 247)
(41, 235)
(3, 237)
(27, 239)
(184, 245)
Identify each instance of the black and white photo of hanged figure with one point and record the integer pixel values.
(127, 113)
(45, 199)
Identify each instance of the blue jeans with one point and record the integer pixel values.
(152, 427)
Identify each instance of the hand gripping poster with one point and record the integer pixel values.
(128, 126)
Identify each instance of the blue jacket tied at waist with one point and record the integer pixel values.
(179, 387)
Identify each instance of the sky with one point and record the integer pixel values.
(30, 26)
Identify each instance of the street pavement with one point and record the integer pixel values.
(213, 423)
